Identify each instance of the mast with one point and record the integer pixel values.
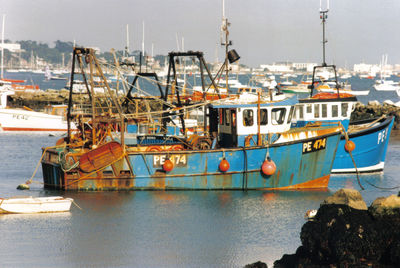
(224, 28)
(323, 16)
(127, 41)
(2, 47)
(143, 40)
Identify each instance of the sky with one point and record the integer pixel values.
(262, 31)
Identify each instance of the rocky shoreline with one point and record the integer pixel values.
(374, 109)
(347, 233)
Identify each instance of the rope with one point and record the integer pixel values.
(357, 128)
(346, 136)
(40, 160)
(62, 159)
(382, 188)
(73, 202)
(355, 166)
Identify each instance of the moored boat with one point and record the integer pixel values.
(247, 144)
(25, 205)
(371, 137)
(369, 140)
(13, 119)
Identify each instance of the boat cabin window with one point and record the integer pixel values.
(324, 111)
(316, 110)
(264, 117)
(335, 111)
(301, 111)
(248, 118)
(291, 112)
(309, 108)
(278, 116)
(345, 106)
(227, 117)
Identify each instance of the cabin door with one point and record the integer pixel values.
(233, 127)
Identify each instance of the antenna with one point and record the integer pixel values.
(224, 29)
(323, 15)
(127, 41)
(223, 9)
(143, 40)
(177, 41)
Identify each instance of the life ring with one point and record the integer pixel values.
(153, 149)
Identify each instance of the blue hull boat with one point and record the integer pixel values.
(370, 151)
(371, 137)
(300, 164)
(246, 143)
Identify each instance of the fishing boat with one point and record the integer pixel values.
(25, 119)
(332, 87)
(246, 144)
(369, 139)
(296, 88)
(26, 205)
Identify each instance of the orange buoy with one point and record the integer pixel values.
(268, 167)
(349, 146)
(168, 165)
(224, 165)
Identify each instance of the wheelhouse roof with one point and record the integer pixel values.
(238, 103)
(311, 100)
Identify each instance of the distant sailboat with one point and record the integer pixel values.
(382, 84)
(49, 76)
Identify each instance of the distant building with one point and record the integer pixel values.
(286, 67)
(281, 68)
(308, 67)
(11, 47)
(366, 68)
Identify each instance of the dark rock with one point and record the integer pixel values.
(342, 236)
(258, 264)
(349, 197)
(386, 206)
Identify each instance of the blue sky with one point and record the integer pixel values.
(262, 31)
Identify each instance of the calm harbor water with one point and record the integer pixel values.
(162, 229)
(159, 229)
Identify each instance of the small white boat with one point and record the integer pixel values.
(17, 119)
(386, 85)
(25, 205)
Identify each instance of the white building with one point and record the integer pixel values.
(11, 47)
(366, 68)
(282, 68)
(309, 67)
(287, 67)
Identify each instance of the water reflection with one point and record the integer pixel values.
(23, 218)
